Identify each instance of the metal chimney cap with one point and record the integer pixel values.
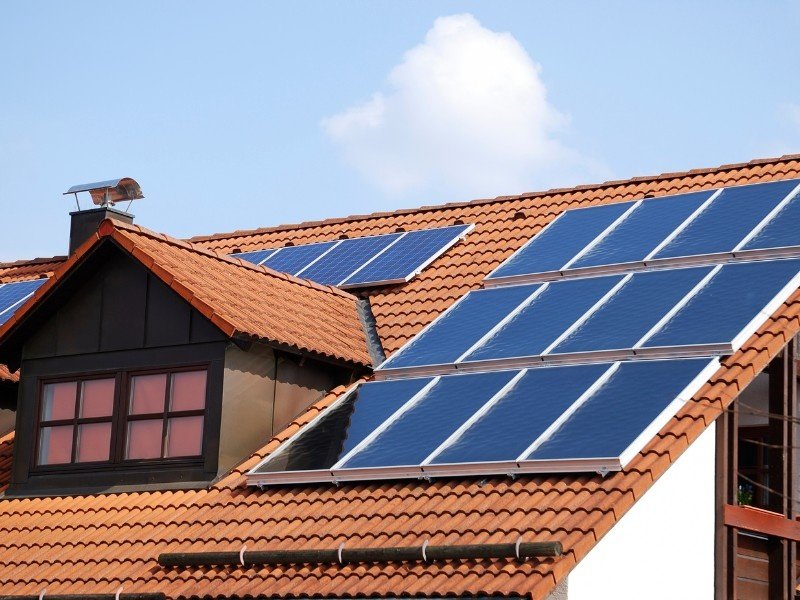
(110, 192)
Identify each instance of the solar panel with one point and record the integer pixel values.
(562, 239)
(728, 219)
(256, 257)
(581, 346)
(460, 327)
(340, 261)
(13, 295)
(725, 308)
(362, 262)
(632, 311)
(408, 256)
(700, 227)
(547, 419)
(293, 259)
(639, 234)
(532, 330)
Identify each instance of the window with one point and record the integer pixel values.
(121, 419)
(75, 424)
(165, 415)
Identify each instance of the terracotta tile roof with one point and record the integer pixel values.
(93, 544)
(502, 225)
(29, 269)
(240, 298)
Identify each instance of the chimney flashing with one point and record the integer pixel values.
(84, 223)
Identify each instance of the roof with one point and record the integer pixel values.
(241, 299)
(94, 544)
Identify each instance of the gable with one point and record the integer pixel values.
(113, 303)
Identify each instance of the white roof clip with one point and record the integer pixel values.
(117, 593)
(339, 553)
(424, 550)
(241, 554)
(516, 548)
(42, 593)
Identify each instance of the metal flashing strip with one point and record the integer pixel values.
(571, 358)
(657, 264)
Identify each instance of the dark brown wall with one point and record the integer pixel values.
(121, 306)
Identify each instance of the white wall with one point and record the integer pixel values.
(664, 546)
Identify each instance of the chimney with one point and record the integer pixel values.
(105, 194)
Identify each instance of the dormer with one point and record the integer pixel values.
(146, 361)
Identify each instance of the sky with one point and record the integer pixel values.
(250, 114)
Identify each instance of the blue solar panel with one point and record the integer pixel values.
(292, 259)
(782, 230)
(430, 421)
(633, 310)
(407, 256)
(538, 325)
(642, 230)
(341, 261)
(722, 308)
(344, 426)
(254, 257)
(12, 296)
(615, 415)
(520, 416)
(457, 330)
(556, 245)
(728, 219)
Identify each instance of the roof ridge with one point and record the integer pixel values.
(33, 261)
(197, 248)
(478, 201)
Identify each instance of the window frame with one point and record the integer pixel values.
(119, 421)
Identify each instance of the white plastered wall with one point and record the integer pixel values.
(664, 546)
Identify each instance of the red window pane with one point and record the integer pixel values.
(144, 439)
(55, 445)
(148, 393)
(185, 436)
(97, 398)
(58, 401)
(94, 442)
(188, 391)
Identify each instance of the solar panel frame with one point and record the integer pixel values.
(428, 469)
(262, 255)
(467, 228)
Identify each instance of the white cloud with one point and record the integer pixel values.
(466, 112)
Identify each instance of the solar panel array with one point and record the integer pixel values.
(758, 220)
(13, 295)
(579, 348)
(362, 262)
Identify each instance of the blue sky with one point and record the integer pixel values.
(242, 115)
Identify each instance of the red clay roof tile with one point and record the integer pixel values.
(96, 543)
(240, 298)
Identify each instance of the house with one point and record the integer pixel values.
(148, 381)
